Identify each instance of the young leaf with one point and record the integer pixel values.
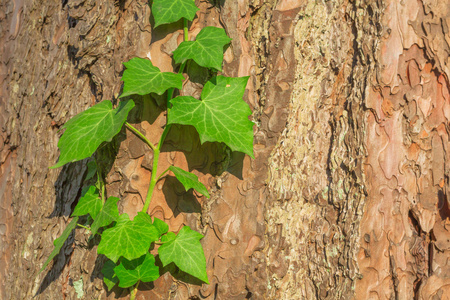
(186, 252)
(142, 78)
(168, 237)
(87, 130)
(59, 242)
(221, 116)
(108, 214)
(142, 268)
(189, 180)
(109, 277)
(161, 226)
(206, 51)
(89, 203)
(92, 170)
(166, 12)
(130, 239)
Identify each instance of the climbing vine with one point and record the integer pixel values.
(220, 116)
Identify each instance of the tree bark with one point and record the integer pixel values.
(347, 194)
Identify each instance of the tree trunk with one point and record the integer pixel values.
(347, 194)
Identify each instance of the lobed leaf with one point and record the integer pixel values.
(186, 252)
(142, 268)
(130, 239)
(109, 277)
(206, 50)
(189, 180)
(221, 115)
(89, 203)
(87, 130)
(168, 237)
(142, 78)
(108, 214)
(166, 12)
(59, 242)
(92, 170)
(161, 226)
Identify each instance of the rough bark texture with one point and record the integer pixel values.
(347, 194)
(359, 205)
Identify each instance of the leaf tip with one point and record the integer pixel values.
(57, 165)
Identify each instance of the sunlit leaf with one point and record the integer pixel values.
(186, 252)
(130, 239)
(87, 130)
(206, 50)
(89, 203)
(142, 78)
(189, 180)
(221, 115)
(142, 268)
(166, 12)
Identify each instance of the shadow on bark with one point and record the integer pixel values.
(68, 188)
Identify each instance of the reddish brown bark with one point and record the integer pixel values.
(347, 194)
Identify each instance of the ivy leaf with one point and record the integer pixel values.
(130, 239)
(92, 170)
(87, 130)
(221, 116)
(108, 214)
(189, 180)
(206, 50)
(59, 242)
(166, 12)
(89, 203)
(161, 226)
(109, 277)
(186, 252)
(142, 268)
(142, 78)
(168, 237)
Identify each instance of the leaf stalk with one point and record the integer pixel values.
(139, 134)
(134, 291)
(85, 227)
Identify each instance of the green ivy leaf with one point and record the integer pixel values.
(108, 214)
(166, 12)
(168, 237)
(92, 170)
(109, 277)
(206, 50)
(189, 180)
(89, 203)
(87, 130)
(130, 239)
(142, 268)
(186, 252)
(142, 78)
(221, 116)
(161, 226)
(59, 242)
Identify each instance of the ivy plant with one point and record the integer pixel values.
(221, 115)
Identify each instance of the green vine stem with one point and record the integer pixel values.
(85, 227)
(134, 291)
(154, 179)
(139, 134)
